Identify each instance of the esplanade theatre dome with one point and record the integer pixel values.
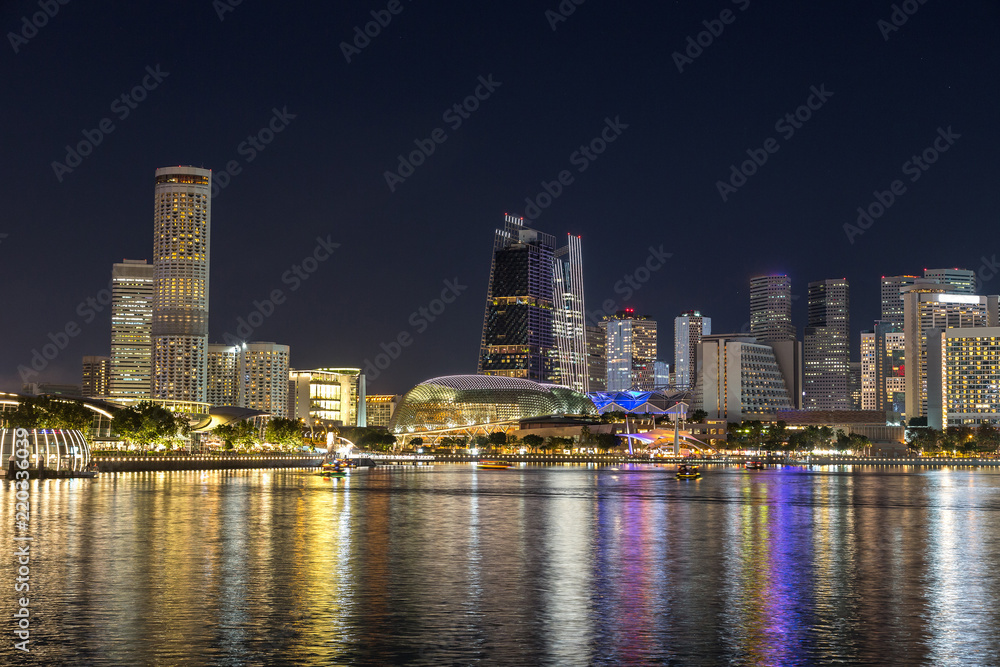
(463, 400)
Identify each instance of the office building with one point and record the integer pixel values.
(963, 376)
(771, 309)
(326, 397)
(630, 348)
(131, 331)
(927, 307)
(892, 297)
(869, 384)
(827, 346)
(263, 378)
(661, 375)
(569, 325)
(181, 230)
(960, 281)
(96, 375)
(597, 368)
(689, 327)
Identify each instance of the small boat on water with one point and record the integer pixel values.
(755, 465)
(335, 468)
(685, 471)
(494, 465)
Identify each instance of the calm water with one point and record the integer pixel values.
(562, 566)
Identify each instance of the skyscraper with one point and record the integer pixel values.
(827, 346)
(568, 321)
(960, 281)
(263, 377)
(534, 325)
(597, 363)
(892, 299)
(221, 384)
(631, 351)
(771, 309)
(689, 327)
(927, 307)
(96, 374)
(181, 230)
(131, 328)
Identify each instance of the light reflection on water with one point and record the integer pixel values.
(564, 565)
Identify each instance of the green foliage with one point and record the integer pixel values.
(497, 439)
(697, 416)
(924, 439)
(606, 441)
(149, 425)
(532, 441)
(284, 432)
(613, 417)
(417, 442)
(47, 412)
(240, 435)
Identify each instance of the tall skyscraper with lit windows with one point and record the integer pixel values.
(827, 346)
(131, 329)
(689, 327)
(630, 351)
(182, 205)
(771, 309)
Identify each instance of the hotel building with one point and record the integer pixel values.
(740, 379)
(263, 378)
(963, 376)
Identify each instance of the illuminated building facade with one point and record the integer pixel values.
(325, 396)
(689, 328)
(771, 309)
(131, 331)
(630, 349)
(927, 307)
(96, 375)
(827, 346)
(892, 298)
(961, 281)
(379, 408)
(222, 387)
(597, 362)
(263, 378)
(869, 385)
(740, 379)
(181, 228)
(963, 376)
(569, 325)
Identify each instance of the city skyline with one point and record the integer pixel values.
(286, 175)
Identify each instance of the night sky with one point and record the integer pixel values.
(550, 92)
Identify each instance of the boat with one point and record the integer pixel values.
(334, 468)
(494, 465)
(755, 465)
(684, 471)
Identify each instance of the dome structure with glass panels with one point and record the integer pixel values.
(464, 400)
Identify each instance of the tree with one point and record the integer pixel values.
(924, 439)
(497, 439)
(148, 424)
(776, 436)
(607, 441)
(241, 434)
(416, 443)
(987, 437)
(585, 435)
(47, 412)
(284, 432)
(697, 416)
(532, 441)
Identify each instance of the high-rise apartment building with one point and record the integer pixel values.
(689, 327)
(534, 326)
(892, 297)
(963, 376)
(827, 346)
(961, 281)
(263, 378)
(181, 228)
(597, 362)
(96, 375)
(222, 386)
(927, 307)
(630, 348)
(131, 330)
(771, 309)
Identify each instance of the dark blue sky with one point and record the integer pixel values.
(324, 174)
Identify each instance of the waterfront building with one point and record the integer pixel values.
(689, 327)
(771, 309)
(630, 348)
(963, 376)
(568, 322)
(960, 281)
(739, 379)
(222, 362)
(483, 402)
(827, 346)
(96, 374)
(597, 362)
(181, 230)
(326, 397)
(892, 297)
(379, 408)
(131, 331)
(929, 306)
